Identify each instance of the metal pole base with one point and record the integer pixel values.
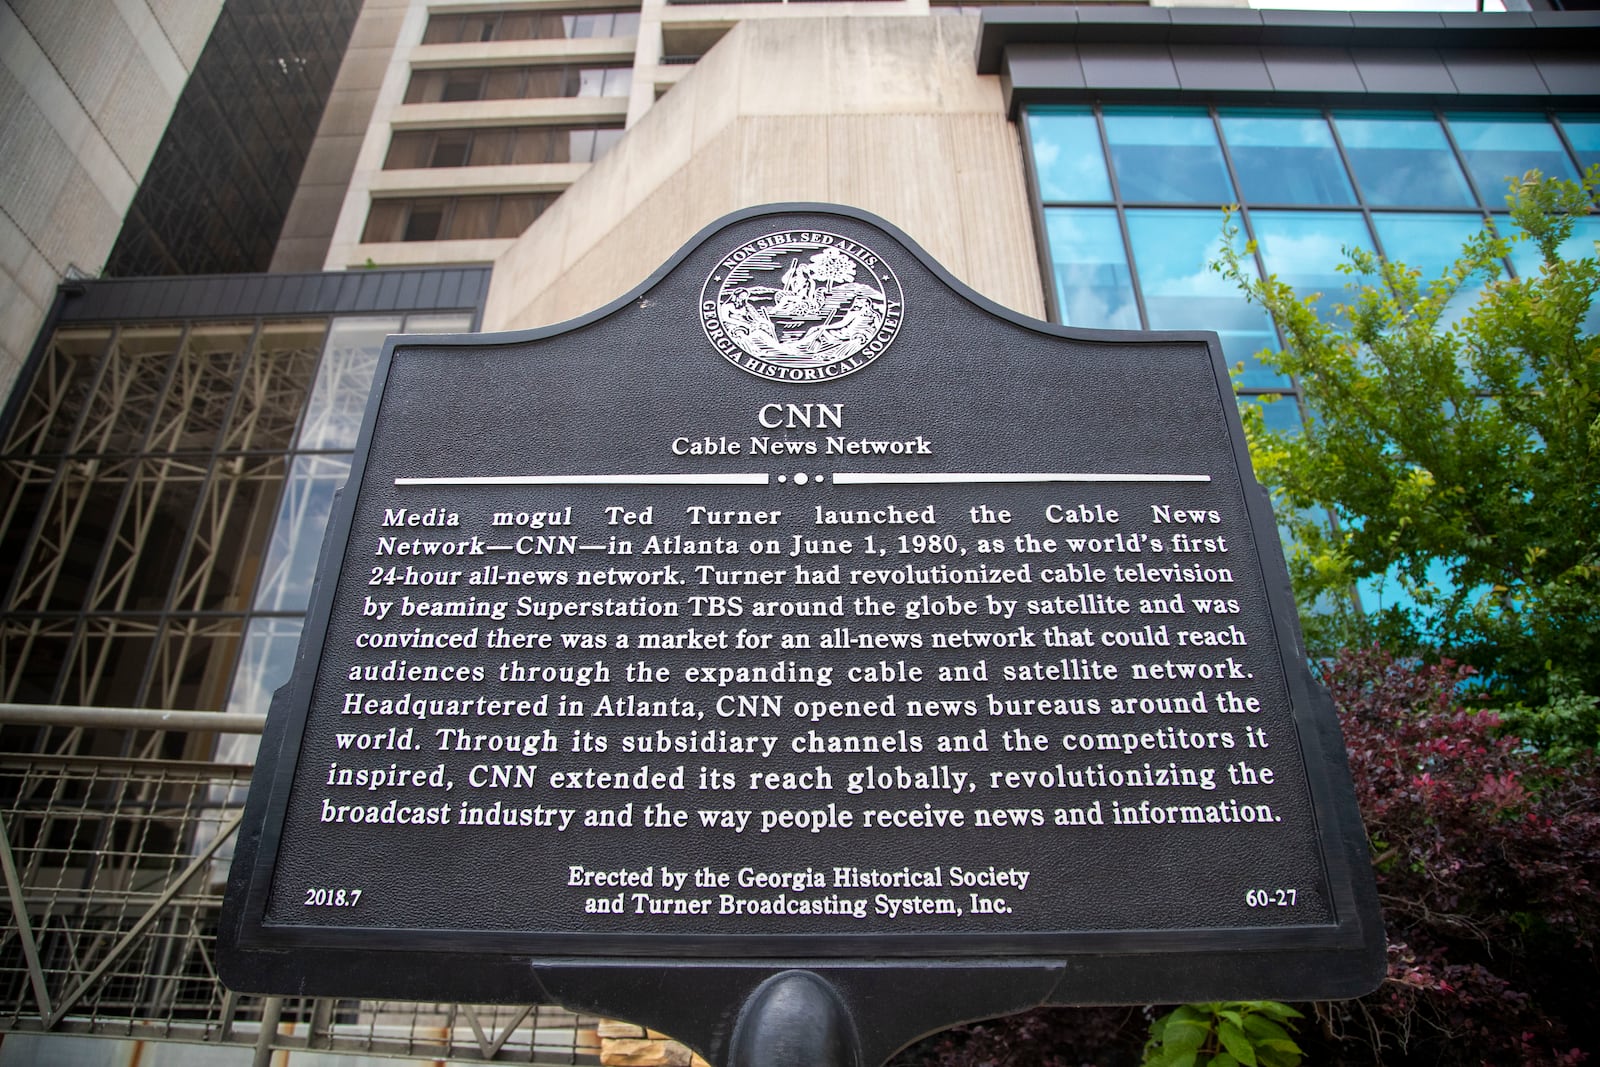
(794, 1019)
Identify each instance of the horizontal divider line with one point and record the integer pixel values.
(918, 479)
(597, 479)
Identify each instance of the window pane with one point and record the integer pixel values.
(604, 139)
(297, 536)
(423, 220)
(1501, 147)
(442, 322)
(1526, 260)
(1285, 158)
(619, 81)
(344, 378)
(1067, 156)
(517, 213)
(490, 147)
(626, 24)
(1402, 159)
(425, 87)
(385, 221)
(532, 145)
(265, 663)
(442, 29)
(1173, 251)
(473, 217)
(1170, 157)
(1584, 133)
(1093, 287)
(408, 150)
(1281, 415)
(505, 83)
(547, 81)
(515, 26)
(1430, 243)
(463, 85)
(578, 147)
(450, 148)
(1305, 248)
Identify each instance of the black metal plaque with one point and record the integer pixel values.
(802, 609)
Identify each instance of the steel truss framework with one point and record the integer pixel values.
(113, 868)
(164, 483)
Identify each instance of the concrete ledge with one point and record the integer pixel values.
(882, 114)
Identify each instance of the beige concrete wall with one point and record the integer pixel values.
(882, 114)
(86, 90)
(308, 228)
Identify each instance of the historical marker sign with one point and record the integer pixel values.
(803, 609)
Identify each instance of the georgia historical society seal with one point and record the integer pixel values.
(801, 306)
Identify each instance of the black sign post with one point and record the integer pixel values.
(799, 655)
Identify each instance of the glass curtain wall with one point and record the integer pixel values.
(1131, 207)
(163, 492)
(1131, 210)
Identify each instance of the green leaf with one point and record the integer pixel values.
(1258, 1026)
(1222, 1059)
(1185, 1034)
(1236, 1043)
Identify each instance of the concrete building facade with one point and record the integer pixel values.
(86, 92)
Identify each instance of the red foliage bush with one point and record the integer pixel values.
(1487, 859)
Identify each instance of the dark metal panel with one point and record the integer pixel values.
(1402, 70)
(1229, 67)
(1473, 22)
(450, 292)
(1038, 66)
(1511, 74)
(409, 284)
(270, 298)
(1572, 73)
(350, 287)
(388, 290)
(172, 303)
(479, 287)
(236, 296)
(367, 293)
(1125, 66)
(1312, 70)
(249, 295)
(1215, 25)
(428, 289)
(208, 293)
(1324, 28)
(329, 289)
(1002, 28)
(297, 293)
(1144, 25)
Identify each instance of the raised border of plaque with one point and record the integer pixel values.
(691, 981)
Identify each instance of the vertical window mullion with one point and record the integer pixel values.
(1355, 182)
(1047, 267)
(1122, 219)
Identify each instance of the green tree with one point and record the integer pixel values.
(1458, 454)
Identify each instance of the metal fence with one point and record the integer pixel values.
(115, 836)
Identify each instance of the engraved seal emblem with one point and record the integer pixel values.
(801, 306)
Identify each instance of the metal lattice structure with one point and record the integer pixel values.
(114, 864)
